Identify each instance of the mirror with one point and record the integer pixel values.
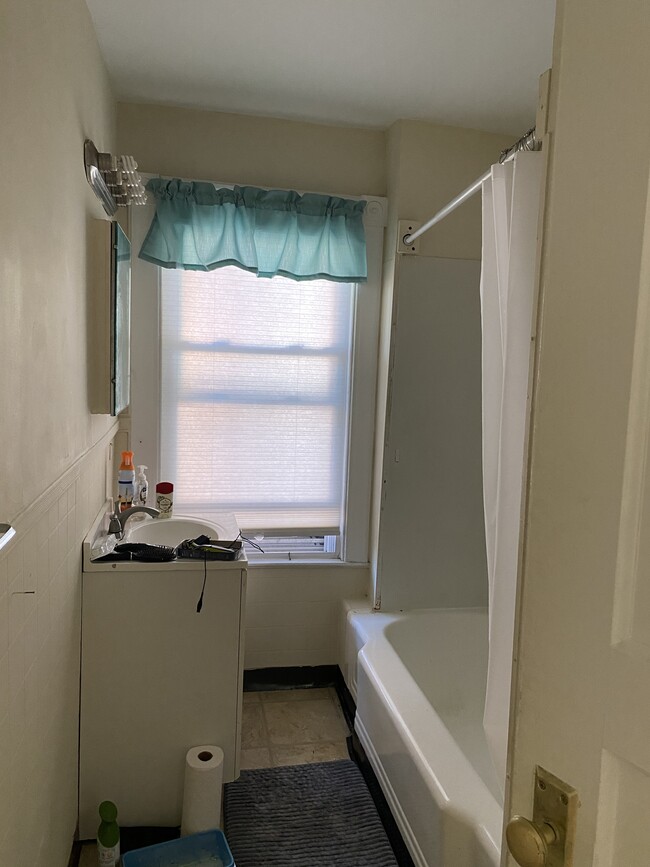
(120, 321)
(109, 326)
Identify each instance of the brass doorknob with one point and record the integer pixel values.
(529, 842)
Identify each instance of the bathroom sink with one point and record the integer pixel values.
(172, 531)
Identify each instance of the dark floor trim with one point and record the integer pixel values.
(295, 677)
(138, 838)
(348, 706)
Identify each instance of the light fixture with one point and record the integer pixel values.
(115, 180)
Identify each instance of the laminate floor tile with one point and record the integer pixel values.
(253, 732)
(259, 757)
(292, 727)
(304, 722)
(304, 754)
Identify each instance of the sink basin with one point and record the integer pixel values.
(172, 531)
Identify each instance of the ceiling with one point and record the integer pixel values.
(471, 63)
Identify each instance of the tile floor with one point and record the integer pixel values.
(283, 727)
(292, 727)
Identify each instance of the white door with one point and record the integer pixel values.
(582, 675)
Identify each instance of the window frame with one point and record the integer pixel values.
(143, 416)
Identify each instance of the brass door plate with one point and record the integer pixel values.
(556, 803)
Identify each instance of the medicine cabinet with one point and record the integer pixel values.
(110, 318)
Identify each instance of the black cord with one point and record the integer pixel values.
(199, 604)
(250, 542)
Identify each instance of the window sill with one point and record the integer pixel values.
(311, 563)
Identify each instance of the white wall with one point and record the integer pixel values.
(431, 164)
(294, 616)
(54, 93)
(262, 151)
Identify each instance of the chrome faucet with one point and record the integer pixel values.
(118, 519)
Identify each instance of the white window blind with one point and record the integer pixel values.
(255, 398)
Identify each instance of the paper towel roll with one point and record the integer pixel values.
(202, 791)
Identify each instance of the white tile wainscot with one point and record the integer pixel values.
(293, 611)
(40, 631)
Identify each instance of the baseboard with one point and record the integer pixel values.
(346, 700)
(291, 677)
(138, 838)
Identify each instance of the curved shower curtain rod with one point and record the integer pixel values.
(527, 142)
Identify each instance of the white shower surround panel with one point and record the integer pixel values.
(420, 689)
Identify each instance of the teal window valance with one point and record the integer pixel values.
(306, 237)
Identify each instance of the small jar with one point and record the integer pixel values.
(164, 499)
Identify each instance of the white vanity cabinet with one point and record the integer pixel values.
(156, 679)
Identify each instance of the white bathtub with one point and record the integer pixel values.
(420, 685)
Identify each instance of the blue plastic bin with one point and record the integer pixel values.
(193, 849)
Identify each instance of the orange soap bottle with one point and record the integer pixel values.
(126, 482)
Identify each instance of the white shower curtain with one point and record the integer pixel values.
(511, 200)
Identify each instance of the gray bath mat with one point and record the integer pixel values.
(319, 815)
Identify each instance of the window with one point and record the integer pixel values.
(255, 400)
(257, 396)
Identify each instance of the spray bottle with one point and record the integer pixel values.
(108, 836)
(125, 482)
(141, 487)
